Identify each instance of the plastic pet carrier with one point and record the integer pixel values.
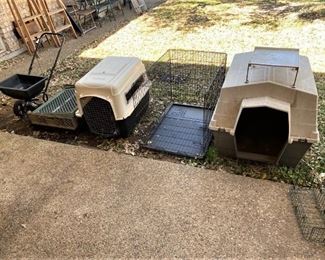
(267, 110)
(113, 96)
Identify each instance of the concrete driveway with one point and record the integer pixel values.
(64, 201)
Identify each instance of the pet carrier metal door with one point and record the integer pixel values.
(99, 116)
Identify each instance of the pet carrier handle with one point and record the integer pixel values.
(38, 44)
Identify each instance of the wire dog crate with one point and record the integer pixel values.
(309, 206)
(185, 89)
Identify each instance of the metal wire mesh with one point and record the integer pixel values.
(186, 77)
(99, 116)
(309, 206)
(63, 102)
(210, 101)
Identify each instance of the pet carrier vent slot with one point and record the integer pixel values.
(136, 85)
(99, 116)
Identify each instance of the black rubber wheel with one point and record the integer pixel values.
(20, 108)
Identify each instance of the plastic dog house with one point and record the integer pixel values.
(267, 110)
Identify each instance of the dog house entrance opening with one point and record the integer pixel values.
(261, 133)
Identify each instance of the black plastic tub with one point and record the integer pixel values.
(24, 87)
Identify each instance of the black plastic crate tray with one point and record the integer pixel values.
(58, 111)
(181, 131)
(23, 87)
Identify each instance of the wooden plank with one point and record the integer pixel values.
(36, 9)
(31, 17)
(30, 27)
(22, 26)
(50, 18)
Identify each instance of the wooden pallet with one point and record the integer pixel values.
(51, 15)
(30, 27)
